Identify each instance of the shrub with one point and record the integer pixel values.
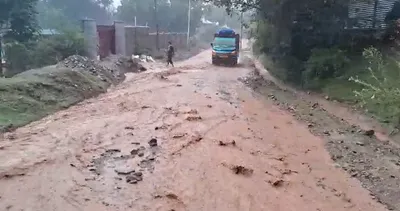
(323, 64)
(45, 51)
(380, 94)
(17, 56)
(55, 48)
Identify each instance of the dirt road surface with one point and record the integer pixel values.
(190, 138)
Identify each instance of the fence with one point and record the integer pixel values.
(128, 40)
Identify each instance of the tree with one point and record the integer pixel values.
(19, 18)
(60, 12)
(52, 18)
(172, 14)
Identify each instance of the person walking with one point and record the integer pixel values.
(170, 54)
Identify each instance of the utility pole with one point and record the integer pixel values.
(188, 29)
(1, 55)
(156, 20)
(241, 29)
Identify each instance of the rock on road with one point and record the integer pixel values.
(189, 138)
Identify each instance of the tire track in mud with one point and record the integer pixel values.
(374, 162)
(232, 152)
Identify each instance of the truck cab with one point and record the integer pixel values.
(225, 47)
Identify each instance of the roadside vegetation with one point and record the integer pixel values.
(29, 87)
(36, 93)
(328, 48)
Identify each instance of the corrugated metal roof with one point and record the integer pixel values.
(361, 13)
(49, 32)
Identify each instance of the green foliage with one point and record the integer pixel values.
(19, 18)
(14, 52)
(323, 64)
(380, 93)
(45, 51)
(72, 11)
(50, 17)
(171, 14)
(266, 37)
(55, 48)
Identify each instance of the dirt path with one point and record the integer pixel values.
(191, 138)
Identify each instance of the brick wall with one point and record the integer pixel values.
(178, 40)
(138, 39)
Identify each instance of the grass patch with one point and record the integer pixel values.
(374, 89)
(34, 94)
(373, 86)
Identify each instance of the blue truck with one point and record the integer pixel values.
(225, 47)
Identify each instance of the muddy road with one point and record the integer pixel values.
(194, 137)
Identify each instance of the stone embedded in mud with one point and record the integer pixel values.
(129, 128)
(193, 118)
(179, 135)
(134, 152)
(271, 96)
(162, 127)
(327, 132)
(192, 111)
(315, 105)
(233, 143)
(11, 136)
(242, 170)
(134, 178)
(138, 174)
(369, 133)
(360, 143)
(276, 183)
(131, 179)
(113, 150)
(124, 171)
(172, 196)
(153, 142)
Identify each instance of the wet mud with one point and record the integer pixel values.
(357, 150)
(193, 138)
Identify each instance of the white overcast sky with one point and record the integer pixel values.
(117, 3)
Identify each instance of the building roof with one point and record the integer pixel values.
(49, 32)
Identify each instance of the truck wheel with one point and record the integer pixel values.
(214, 62)
(234, 62)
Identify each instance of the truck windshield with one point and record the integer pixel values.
(224, 42)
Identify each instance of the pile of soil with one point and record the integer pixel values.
(33, 94)
(104, 73)
(125, 64)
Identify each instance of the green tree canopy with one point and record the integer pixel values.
(56, 13)
(18, 17)
(171, 14)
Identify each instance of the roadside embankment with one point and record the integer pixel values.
(36, 93)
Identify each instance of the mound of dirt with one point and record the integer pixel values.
(104, 73)
(126, 64)
(36, 93)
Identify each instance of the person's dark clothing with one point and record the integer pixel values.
(169, 61)
(170, 54)
(171, 51)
